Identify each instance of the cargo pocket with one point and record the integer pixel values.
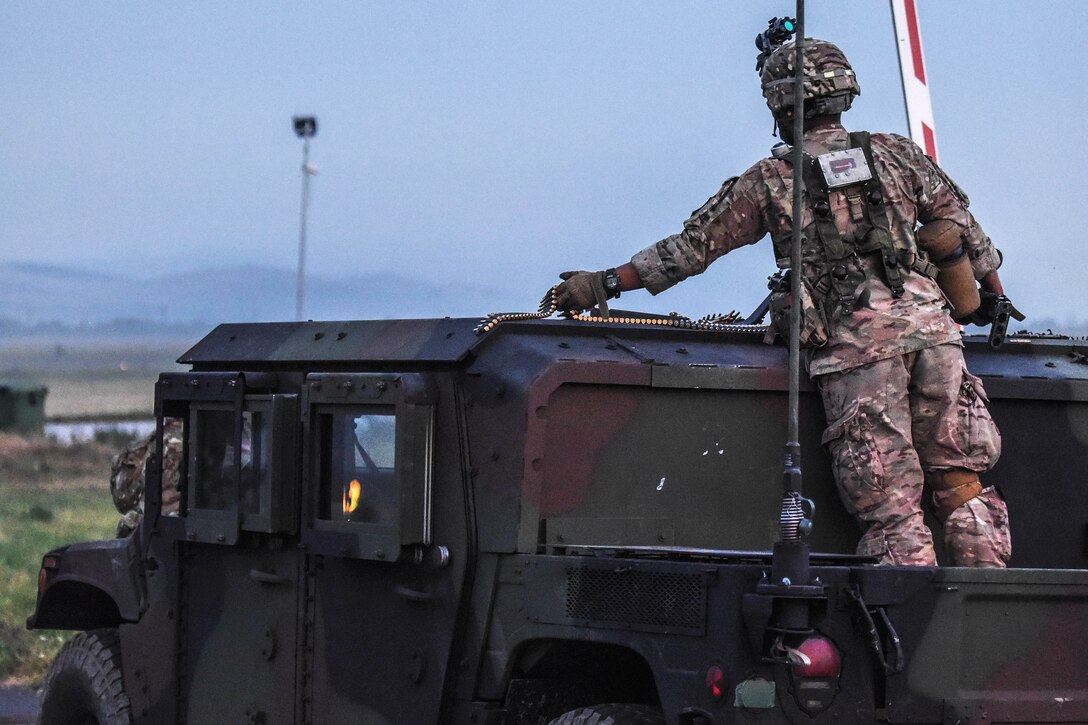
(978, 436)
(877, 548)
(855, 458)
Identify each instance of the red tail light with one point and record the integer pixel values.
(715, 681)
(823, 656)
(816, 675)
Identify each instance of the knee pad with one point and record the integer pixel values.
(952, 489)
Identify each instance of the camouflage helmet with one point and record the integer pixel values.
(830, 85)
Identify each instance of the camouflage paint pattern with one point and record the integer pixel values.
(128, 473)
(759, 202)
(890, 423)
(552, 427)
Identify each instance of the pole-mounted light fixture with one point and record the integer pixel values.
(305, 129)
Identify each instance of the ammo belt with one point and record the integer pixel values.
(549, 306)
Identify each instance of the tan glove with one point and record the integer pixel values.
(576, 290)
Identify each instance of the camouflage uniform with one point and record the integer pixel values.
(891, 419)
(897, 395)
(128, 474)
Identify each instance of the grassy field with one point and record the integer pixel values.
(99, 379)
(52, 494)
(99, 395)
(49, 495)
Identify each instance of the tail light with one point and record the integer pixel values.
(715, 682)
(49, 563)
(815, 672)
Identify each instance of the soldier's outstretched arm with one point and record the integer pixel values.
(733, 217)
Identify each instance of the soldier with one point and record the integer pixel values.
(881, 344)
(128, 473)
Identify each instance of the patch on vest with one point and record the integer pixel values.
(843, 168)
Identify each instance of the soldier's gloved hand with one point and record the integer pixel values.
(576, 291)
(986, 311)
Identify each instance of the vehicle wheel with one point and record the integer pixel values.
(84, 685)
(612, 714)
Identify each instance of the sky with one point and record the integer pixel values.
(496, 143)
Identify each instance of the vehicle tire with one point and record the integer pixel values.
(84, 685)
(611, 714)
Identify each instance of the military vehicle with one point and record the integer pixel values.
(574, 522)
(558, 521)
(22, 407)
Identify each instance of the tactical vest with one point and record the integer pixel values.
(841, 274)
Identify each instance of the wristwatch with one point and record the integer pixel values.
(612, 282)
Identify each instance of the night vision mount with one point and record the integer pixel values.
(778, 32)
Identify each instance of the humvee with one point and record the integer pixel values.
(557, 521)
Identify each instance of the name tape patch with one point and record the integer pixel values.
(843, 168)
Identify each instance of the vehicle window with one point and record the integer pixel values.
(215, 461)
(358, 454)
(256, 439)
(173, 435)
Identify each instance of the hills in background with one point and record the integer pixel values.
(38, 297)
(38, 301)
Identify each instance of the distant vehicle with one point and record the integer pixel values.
(556, 521)
(22, 407)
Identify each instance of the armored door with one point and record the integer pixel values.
(239, 568)
(381, 593)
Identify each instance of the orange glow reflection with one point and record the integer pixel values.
(351, 496)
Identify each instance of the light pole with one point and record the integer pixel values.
(305, 129)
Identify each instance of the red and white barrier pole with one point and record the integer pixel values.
(912, 69)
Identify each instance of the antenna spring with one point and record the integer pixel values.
(792, 516)
(794, 520)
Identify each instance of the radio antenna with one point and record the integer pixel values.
(790, 579)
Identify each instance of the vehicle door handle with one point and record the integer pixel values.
(413, 595)
(266, 577)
